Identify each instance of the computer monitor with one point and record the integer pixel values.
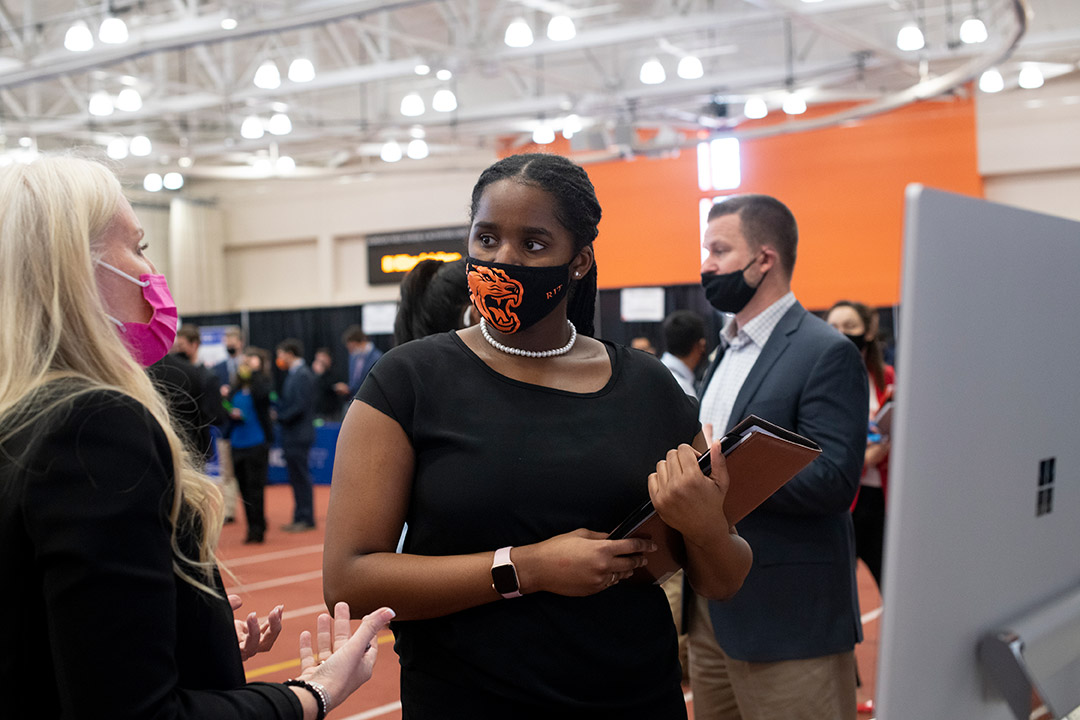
(987, 421)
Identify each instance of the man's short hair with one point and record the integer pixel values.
(190, 333)
(291, 346)
(764, 220)
(324, 351)
(354, 334)
(683, 330)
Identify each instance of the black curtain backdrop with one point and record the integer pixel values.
(323, 326)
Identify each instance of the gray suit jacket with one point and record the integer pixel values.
(800, 598)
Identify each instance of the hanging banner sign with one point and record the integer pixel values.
(391, 255)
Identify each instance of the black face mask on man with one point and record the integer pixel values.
(514, 297)
(729, 292)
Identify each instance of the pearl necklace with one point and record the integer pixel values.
(529, 353)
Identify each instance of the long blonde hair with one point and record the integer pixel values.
(56, 342)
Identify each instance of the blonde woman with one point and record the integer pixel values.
(112, 603)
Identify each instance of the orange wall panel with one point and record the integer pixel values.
(845, 185)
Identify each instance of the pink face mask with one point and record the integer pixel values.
(151, 341)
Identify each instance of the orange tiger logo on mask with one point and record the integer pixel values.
(496, 296)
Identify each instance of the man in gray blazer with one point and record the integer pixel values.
(784, 645)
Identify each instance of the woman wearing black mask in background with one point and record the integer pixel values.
(512, 448)
(858, 323)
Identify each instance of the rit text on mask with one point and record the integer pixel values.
(552, 293)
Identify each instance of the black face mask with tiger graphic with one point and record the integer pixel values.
(514, 297)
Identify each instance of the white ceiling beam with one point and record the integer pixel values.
(185, 33)
(10, 31)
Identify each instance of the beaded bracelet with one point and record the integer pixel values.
(322, 698)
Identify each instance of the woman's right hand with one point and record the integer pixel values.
(578, 563)
(345, 659)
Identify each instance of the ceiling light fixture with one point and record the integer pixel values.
(417, 150)
(571, 126)
(991, 81)
(129, 100)
(421, 69)
(279, 124)
(690, 68)
(228, 23)
(141, 146)
(973, 31)
(543, 134)
(185, 162)
(101, 104)
(78, 37)
(794, 104)
(910, 38)
(1031, 76)
(301, 70)
(285, 165)
(152, 182)
(391, 152)
(561, 28)
(267, 76)
(117, 149)
(251, 128)
(444, 74)
(113, 31)
(755, 108)
(412, 105)
(173, 181)
(444, 101)
(652, 72)
(518, 34)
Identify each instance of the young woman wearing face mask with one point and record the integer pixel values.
(858, 323)
(113, 601)
(512, 448)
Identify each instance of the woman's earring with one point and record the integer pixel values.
(577, 274)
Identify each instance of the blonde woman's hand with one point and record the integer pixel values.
(253, 636)
(344, 659)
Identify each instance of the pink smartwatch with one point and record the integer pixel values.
(504, 576)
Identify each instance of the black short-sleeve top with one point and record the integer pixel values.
(502, 462)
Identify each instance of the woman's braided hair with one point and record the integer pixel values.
(576, 208)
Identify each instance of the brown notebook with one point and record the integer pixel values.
(760, 456)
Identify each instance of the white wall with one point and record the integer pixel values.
(1029, 146)
(301, 243)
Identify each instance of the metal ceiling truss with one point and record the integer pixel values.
(195, 75)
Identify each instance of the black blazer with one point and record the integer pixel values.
(296, 408)
(97, 623)
(184, 388)
(800, 598)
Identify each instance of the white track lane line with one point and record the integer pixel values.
(277, 555)
(276, 582)
(871, 615)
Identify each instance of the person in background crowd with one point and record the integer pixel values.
(643, 343)
(362, 357)
(327, 401)
(295, 414)
(684, 337)
(181, 384)
(527, 435)
(251, 434)
(784, 646)
(859, 324)
(208, 397)
(225, 372)
(434, 299)
(113, 602)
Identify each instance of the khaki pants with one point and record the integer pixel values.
(673, 590)
(230, 490)
(727, 689)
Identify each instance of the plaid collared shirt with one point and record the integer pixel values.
(741, 351)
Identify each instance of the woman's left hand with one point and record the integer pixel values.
(253, 637)
(687, 500)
